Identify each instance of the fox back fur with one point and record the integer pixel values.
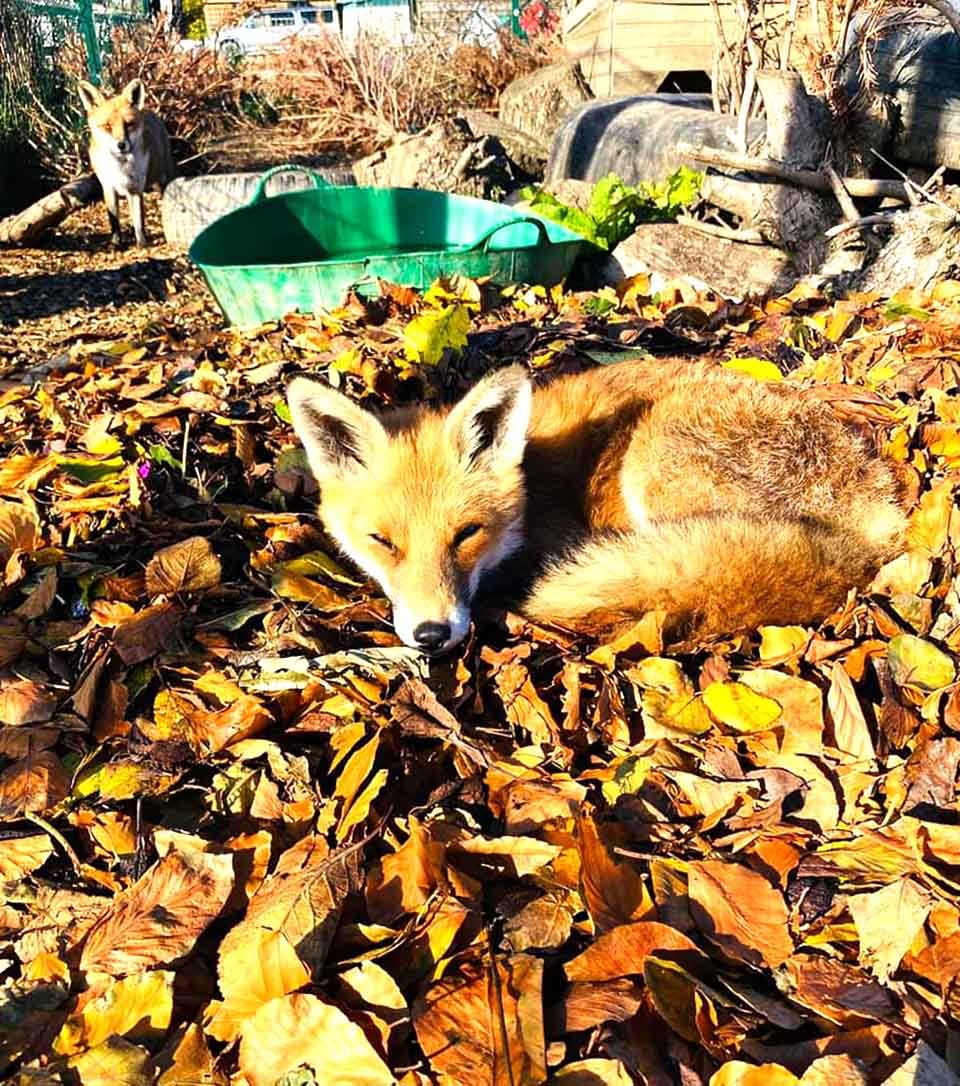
(129, 151)
(663, 485)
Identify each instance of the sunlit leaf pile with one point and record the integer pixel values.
(249, 839)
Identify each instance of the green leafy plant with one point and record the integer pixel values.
(615, 209)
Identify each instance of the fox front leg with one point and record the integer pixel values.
(112, 200)
(137, 216)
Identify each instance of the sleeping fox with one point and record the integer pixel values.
(662, 485)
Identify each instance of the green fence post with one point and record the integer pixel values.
(88, 28)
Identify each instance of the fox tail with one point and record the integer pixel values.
(716, 574)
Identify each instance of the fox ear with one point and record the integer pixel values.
(339, 436)
(90, 95)
(135, 93)
(492, 419)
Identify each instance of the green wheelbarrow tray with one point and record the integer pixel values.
(305, 250)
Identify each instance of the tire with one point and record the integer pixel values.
(191, 203)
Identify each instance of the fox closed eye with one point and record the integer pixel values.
(382, 541)
(465, 533)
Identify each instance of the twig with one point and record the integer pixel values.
(920, 190)
(948, 12)
(934, 179)
(728, 233)
(44, 825)
(723, 47)
(847, 206)
(880, 217)
(729, 160)
(788, 34)
(743, 118)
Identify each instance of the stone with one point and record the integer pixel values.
(537, 104)
(732, 269)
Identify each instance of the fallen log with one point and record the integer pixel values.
(50, 211)
(858, 187)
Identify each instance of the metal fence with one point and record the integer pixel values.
(93, 22)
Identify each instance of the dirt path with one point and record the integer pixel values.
(76, 287)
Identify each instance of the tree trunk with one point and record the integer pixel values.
(797, 133)
(50, 211)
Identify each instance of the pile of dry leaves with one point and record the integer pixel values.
(250, 840)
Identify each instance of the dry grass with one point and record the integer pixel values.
(314, 98)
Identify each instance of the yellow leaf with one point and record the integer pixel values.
(887, 923)
(741, 708)
(669, 701)
(116, 1062)
(930, 522)
(261, 967)
(350, 361)
(779, 642)
(300, 1029)
(19, 529)
(837, 324)
(456, 288)
(139, 1007)
(359, 808)
(47, 967)
(916, 662)
(760, 369)
(427, 336)
(25, 472)
(294, 586)
(738, 1073)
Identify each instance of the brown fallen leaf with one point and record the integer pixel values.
(404, 880)
(835, 1071)
(543, 924)
(613, 888)
(21, 856)
(464, 1023)
(838, 992)
(26, 702)
(587, 1005)
(622, 951)
(595, 1072)
(158, 920)
(187, 566)
(144, 635)
(188, 1061)
(41, 597)
(302, 1031)
(35, 784)
(740, 912)
(19, 529)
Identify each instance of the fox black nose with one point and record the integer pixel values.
(432, 635)
(123, 146)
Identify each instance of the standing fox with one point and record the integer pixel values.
(669, 486)
(129, 151)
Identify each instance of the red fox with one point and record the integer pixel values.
(129, 151)
(664, 485)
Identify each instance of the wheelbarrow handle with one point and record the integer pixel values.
(484, 240)
(260, 191)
